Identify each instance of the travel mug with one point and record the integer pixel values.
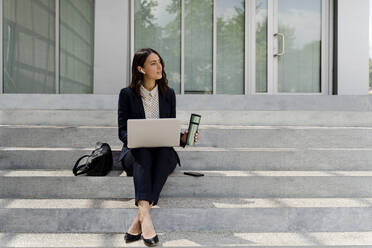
(193, 127)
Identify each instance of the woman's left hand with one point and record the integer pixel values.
(184, 136)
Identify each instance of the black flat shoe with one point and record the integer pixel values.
(131, 238)
(151, 242)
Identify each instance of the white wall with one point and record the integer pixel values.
(111, 48)
(353, 47)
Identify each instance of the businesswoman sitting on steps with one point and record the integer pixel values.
(148, 96)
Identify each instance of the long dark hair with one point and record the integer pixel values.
(137, 78)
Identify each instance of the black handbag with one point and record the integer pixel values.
(98, 163)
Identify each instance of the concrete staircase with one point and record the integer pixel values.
(298, 177)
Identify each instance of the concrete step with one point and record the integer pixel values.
(209, 117)
(204, 158)
(261, 184)
(206, 239)
(97, 223)
(186, 202)
(210, 136)
(262, 215)
(171, 219)
(192, 102)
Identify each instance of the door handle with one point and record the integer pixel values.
(282, 52)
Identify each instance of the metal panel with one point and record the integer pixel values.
(182, 47)
(1, 47)
(335, 47)
(328, 53)
(246, 49)
(131, 37)
(324, 48)
(353, 47)
(111, 46)
(250, 47)
(271, 68)
(94, 43)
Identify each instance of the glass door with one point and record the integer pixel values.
(297, 46)
(295, 38)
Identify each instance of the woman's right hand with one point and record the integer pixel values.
(184, 137)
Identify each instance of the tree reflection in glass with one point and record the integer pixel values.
(230, 46)
(198, 46)
(157, 24)
(261, 46)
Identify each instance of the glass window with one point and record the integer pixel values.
(261, 46)
(29, 46)
(76, 46)
(230, 46)
(198, 46)
(157, 25)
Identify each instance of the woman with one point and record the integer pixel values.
(148, 96)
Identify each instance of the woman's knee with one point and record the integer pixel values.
(141, 152)
(164, 149)
(165, 153)
(142, 156)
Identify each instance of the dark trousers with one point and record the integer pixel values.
(150, 172)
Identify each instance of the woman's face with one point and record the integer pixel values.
(152, 67)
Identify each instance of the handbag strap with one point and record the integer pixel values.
(77, 168)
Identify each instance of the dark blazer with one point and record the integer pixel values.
(131, 107)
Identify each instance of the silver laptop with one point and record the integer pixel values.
(164, 132)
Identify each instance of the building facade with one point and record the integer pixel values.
(214, 47)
